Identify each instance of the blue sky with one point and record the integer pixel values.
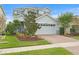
(56, 9)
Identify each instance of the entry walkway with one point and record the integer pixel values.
(20, 49)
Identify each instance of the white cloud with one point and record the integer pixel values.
(54, 15)
(73, 10)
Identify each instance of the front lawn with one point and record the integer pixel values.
(50, 51)
(76, 37)
(14, 42)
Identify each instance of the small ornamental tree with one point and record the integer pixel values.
(30, 23)
(64, 20)
(10, 28)
(17, 24)
(13, 26)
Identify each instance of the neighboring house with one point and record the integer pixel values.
(48, 24)
(74, 25)
(2, 20)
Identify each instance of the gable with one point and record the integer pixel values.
(46, 19)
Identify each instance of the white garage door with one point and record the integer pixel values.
(47, 29)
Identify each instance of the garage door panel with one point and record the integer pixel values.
(46, 30)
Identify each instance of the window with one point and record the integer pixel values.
(46, 24)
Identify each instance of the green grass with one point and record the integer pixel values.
(76, 37)
(14, 42)
(50, 51)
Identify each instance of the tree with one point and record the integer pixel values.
(64, 20)
(30, 23)
(10, 28)
(13, 26)
(29, 16)
(17, 24)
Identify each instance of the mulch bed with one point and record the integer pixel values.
(24, 37)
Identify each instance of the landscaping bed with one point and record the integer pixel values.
(50, 51)
(24, 37)
(14, 42)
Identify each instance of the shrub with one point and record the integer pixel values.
(7, 33)
(72, 30)
(61, 31)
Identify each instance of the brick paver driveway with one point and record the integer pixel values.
(63, 39)
(57, 38)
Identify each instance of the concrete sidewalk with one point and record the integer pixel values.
(20, 49)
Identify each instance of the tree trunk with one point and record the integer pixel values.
(65, 32)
